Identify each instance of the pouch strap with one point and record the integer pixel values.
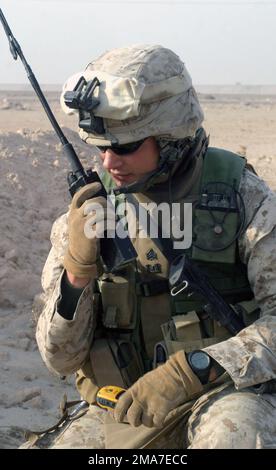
(151, 288)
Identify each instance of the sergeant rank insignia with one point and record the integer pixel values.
(151, 255)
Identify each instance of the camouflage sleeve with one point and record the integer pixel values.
(250, 357)
(63, 344)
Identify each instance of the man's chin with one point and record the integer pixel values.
(123, 180)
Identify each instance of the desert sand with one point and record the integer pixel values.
(34, 192)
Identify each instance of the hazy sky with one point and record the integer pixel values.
(221, 42)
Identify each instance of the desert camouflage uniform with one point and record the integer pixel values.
(236, 417)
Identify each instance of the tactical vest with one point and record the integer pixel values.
(136, 312)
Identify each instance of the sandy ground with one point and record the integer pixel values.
(34, 192)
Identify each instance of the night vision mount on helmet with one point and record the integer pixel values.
(82, 99)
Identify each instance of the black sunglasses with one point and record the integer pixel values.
(123, 149)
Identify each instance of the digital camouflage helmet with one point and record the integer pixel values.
(144, 90)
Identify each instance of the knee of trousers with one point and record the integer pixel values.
(236, 421)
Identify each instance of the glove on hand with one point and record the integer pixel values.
(149, 400)
(83, 252)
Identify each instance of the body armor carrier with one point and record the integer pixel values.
(127, 301)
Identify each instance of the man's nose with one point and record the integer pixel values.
(111, 160)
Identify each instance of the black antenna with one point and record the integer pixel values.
(115, 252)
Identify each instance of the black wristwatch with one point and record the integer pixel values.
(200, 363)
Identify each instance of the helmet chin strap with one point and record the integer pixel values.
(171, 153)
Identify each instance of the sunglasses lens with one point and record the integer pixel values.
(122, 149)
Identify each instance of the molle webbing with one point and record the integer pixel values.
(224, 166)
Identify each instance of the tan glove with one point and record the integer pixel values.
(153, 396)
(83, 252)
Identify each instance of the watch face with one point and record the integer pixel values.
(200, 360)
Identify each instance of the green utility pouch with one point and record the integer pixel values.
(119, 303)
(114, 356)
(183, 332)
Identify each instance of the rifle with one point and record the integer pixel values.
(116, 252)
(185, 274)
